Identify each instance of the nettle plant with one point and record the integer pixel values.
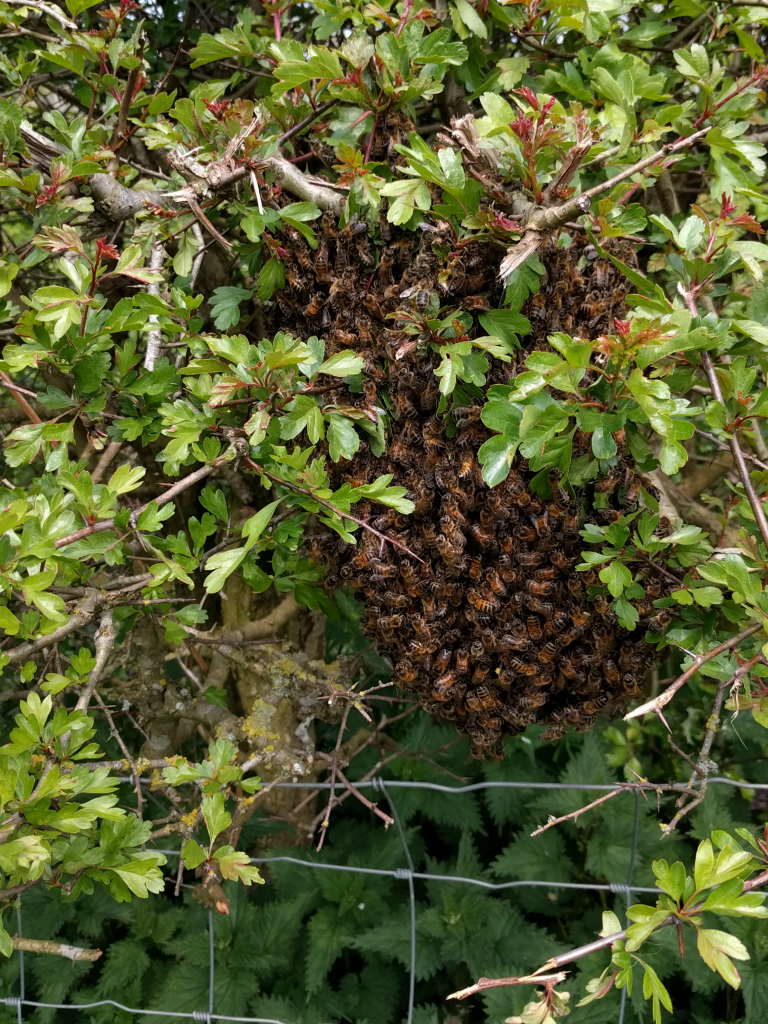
(161, 226)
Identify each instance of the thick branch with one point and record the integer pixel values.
(56, 948)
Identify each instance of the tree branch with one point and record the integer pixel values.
(56, 948)
(664, 698)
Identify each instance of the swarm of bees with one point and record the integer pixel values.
(489, 624)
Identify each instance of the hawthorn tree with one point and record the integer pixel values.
(172, 182)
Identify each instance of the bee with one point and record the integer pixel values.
(530, 558)
(322, 264)
(541, 588)
(603, 637)
(571, 522)
(315, 305)
(507, 573)
(569, 669)
(545, 574)
(443, 686)
(495, 583)
(561, 561)
(538, 307)
(486, 698)
(485, 603)
(571, 635)
(545, 608)
(611, 673)
(658, 623)
(609, 482)
(578, 617)
(534, 627)
(602, 605)
(548, 651)
(466, 466)
(556, 624)
(429, 608)
(482, 536)
(475, 302)
(450, 551)
(405, 672)
(423, 500)
(353, 228)
(554, 732)
(542, 526)
(462, 661)
(525, 533)
(530, 701)
(596, 704)
(630, 686)
(390, 622)
(633, 491)
(479, 675)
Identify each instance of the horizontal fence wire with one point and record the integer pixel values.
(407, 874)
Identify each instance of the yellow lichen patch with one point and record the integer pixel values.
(190, 820)
(258, 725)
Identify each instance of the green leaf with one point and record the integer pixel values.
(495, 456)
(236, 866)
(717, 949)
(215, 502)
(217, 818)
(271, 278)
(223, 564)
(257, 524)
(342, 364)
(225, 306)
(616, 577)
(343, 440)
(193, 854)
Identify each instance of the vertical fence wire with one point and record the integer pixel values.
(22, 987)
(408, 874)
(630, 873)
(412, 894)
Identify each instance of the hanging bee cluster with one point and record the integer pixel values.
(489, 625)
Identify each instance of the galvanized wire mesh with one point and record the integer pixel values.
(406, 874)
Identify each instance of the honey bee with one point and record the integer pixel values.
(541, 588)
(462, 662)
(322, 263)
(596, 704)
(390, 622)
(633, 491)
(443, 686)
(557, 623)
(525, 533)
(603, 636)
(315, 305)
(479, 675)
(475, 302)
(549, 651)
(405, 672)
(482, 536)
(561, 561)
(610, 672)
(530, 558)
(484, 602)
(630, 686)
(545, 608)
(571, 522)
(660, 621)
(496, 583)
(578, 617)
(534, 627)
(569, 669)
(609, 482)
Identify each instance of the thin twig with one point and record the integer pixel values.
(129, 758)
(664, 698)
(482, 984)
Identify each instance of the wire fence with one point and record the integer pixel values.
(406, 874)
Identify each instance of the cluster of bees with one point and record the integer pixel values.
(489, 624)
